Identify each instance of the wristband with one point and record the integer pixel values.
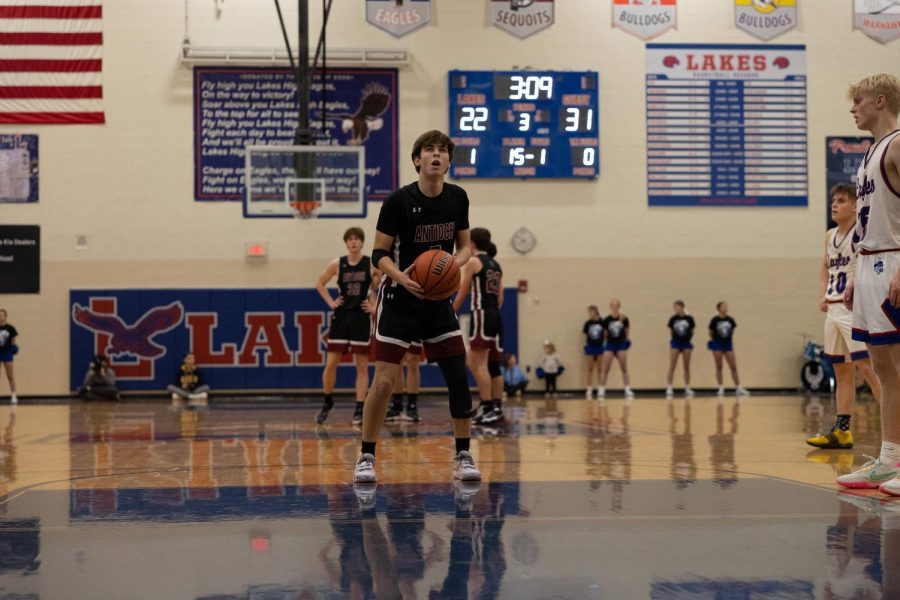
(377, 255)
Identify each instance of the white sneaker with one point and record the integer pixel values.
(870, 476)
(464, 467)
(365, 469)
(601, 393)
(670, 393)
(200, 396)
(891, 488)
(721, 392)
(688, 392)
(741, 391)
(175, 397)
(13, 399)
(629, 395)
(588, 393)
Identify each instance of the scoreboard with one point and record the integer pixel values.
(524, 124)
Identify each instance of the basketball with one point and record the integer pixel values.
(438, 274)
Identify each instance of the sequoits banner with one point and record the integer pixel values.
(398, 17)
(522, 17)
(765, 19)
(878, 19)
(645, 19)
(842, 157)
(243, 338)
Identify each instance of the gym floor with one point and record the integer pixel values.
(706, 498)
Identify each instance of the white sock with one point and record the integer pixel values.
(890, 454)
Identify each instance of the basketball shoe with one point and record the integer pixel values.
(365, 469)
(834, 439)
(741, 391)
(322, 415)
(891, 487)
(357, 416)
(688, 392)
(394, 413)
(670, 393)
(871, 475)
(464, 467)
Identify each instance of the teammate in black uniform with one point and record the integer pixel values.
(351, 324)
(8, 350)
(682, 326)
(423, 215)
(483, 277)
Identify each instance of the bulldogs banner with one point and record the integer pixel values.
(398, 17)
(765, 19)
(243, 339)
(522, 17)
(644, 19)
(842, 157)
(878, 19)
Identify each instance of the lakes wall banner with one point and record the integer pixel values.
(238, 106)
(243, 338)
(765, 19)
(878, 19)
(522, 17)
(642, 19)
(18, 168)
(842, 157)
(398, 17)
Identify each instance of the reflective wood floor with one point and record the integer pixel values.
(706, 498)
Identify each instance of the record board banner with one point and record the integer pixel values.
(242, 338)
(20, 259)
(765, 19)
(398, 17)
(843, 156)
(726, 125)
(642, 19)
(523, 17)
(878, 19)
(239, 106)
(18, 168)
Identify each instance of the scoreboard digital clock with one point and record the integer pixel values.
(531, 124)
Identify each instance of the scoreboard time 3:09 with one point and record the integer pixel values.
(524, 124)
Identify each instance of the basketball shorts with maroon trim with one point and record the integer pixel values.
(350, 331)
(839, 343)
(875, 321)
(486, 331)
(404, 319)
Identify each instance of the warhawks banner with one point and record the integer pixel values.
(765, 19)
(398, 17)
(522, 17)
(878, 19)
(243, 339)
(645, 19)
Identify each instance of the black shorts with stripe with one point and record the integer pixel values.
(350, 331)
(486, 332)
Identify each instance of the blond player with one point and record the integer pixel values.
(874, 292)
(840, 349)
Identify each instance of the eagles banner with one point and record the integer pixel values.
(644, 19)
(878, 19)
(522, 17)
(765, 19)
(398, 17)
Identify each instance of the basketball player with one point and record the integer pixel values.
(682, 326)
(874, 292)
(721, 331)
(840, 349)
(351, 324)
(422, 215)
(484, 278)
(617, 344)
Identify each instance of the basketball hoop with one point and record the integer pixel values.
(307, 209)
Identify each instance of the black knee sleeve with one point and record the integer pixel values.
(454, 370)
(494, 368)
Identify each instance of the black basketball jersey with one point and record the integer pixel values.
(354, 282)
(486, 284)
(418, 222)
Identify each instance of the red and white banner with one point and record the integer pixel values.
(51, 61)
(878, 19)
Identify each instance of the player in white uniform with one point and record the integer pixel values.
(874, 292)
(840, 349)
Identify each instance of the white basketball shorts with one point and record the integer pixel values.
(875, 321)
(839, 343)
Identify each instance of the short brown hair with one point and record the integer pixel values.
(481, 237)
(355, 231)
(882, 84)
(847, 189)
(432, 138)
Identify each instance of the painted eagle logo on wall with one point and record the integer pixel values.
(375, 100)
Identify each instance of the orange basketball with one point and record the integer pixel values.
(438, 274)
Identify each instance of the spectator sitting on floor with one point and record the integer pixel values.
(99, 381)
(188, 381)
(514, 380)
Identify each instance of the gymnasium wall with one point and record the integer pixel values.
(127, 186)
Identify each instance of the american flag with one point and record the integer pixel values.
(50, 61)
